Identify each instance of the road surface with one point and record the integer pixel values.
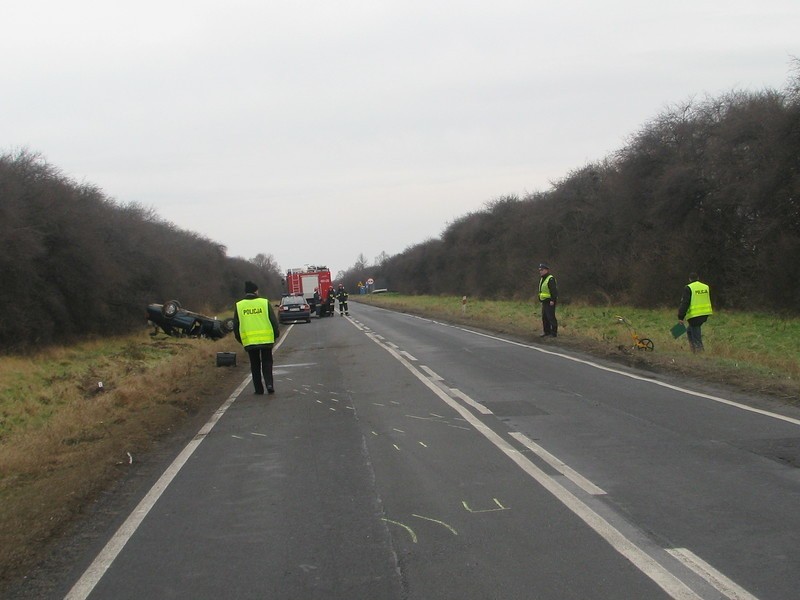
(402, 458)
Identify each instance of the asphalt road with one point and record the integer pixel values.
(405, 458)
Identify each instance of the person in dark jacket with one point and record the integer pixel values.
(317, 303)
(341, 296)
(256, 328)
(332, 301)
(695, 307)
(548, 296)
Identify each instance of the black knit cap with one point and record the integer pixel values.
(250, 287)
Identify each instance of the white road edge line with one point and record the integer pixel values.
(726, 586)
(90, 578)
(639, 558)
(567, 471)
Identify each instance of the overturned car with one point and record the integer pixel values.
(174, 320)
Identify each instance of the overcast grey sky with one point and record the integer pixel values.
(316, 131)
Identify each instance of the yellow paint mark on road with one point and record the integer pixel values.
(422, 444)
(442, 523)
(496, 501)
(406, 527)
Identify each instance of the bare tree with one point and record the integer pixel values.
(361, 262)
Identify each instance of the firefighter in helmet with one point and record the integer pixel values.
(331, 300)
(317, 307)
(341, 296)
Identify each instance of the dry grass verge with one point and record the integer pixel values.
(63, 438)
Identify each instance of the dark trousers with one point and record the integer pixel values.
(343, 307)
(694, 333)
(549, 321)
(261, 363)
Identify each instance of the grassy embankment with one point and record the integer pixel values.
(750, 351)
(63, 439)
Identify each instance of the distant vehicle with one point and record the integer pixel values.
(294, 308)
(174, 320)
(307, 280)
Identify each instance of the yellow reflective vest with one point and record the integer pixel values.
(254, 325)
(544, 288)
(701, 300)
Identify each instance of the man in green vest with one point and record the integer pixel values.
(695, 308)
(548, 296)
(256, 328)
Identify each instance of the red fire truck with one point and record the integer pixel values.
(304, 281)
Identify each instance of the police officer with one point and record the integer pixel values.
(341, 296)
(695, 308)
(548, 296)
(256, 328)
